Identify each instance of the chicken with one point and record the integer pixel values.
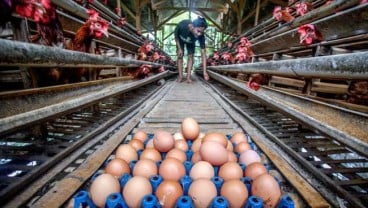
(282, 15)
(227, 58)
(32, 9)
(141, 72)
(94, 27)
(358, 92)
(50, 33)
(145, 51)
(309, 34)
(303, 8)
(256, 80)
(244, 52)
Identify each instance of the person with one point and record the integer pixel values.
(186, 34)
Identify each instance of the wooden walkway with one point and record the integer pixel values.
(188, 100)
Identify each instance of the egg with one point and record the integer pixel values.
(202, 191)
(181, 144)
(145, 168)
(136, 144)
(229, 146)
(135, 189)
(214, 153)
(171, 169)
(103, 185)
(248, 157)
(266, 187)
(126, 152)
(140, 135)
(242, 147)
(196, 157)
(149, 144)
(168, 192)
(178, 136)
(163, 141)
(196, 145)
(152, 154)
(230, 170)
(190, 128)
(231, 156)
(235, 192)
(215, 137)
(238, 137)
(254, 170)
(178, 154)
(202, 169)
(117, 167)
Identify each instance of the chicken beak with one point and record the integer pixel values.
(105, 32)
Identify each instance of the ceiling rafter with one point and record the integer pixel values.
(169, 18)
(202, 13)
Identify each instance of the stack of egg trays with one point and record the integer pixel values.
(115, 200)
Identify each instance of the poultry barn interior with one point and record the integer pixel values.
(92, 113)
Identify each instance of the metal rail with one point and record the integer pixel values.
(72, 126)
(15, 53)
(318, 147)
(344, 66)
(38, 114)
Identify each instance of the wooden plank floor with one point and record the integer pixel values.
(188, 100)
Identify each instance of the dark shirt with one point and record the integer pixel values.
(182, 33)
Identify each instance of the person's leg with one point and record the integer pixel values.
(180, 68)
(190, 65)
(180, 61)
(190, 49)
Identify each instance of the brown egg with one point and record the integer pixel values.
(254, 170)
(178, 154)
(229, 146)
(202, 169)
(181, 144)
(117, 167)
(266, 187)
(171, 169)
(102, 187)
(201, 135)
(214, 153)
(232, 156)
(152, 154)
(242, 147)
(145, 168)
(178, 136)
(149, 144)
(126, 152)
(230, 170)
(196, 145)
(135, 189)
(216, 137)
(163, 141)
(190, 128)
(248, 157)
(238, 137)
(137, 144)
(168, 192)
(202, 191)
(235, 192)
(196, 157)
(140, 135)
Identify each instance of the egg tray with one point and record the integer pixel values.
(115, 200)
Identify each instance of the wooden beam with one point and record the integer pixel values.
(157, 4)
(222, 9)
(127, 10)
(280, 2)
(210, 19)
(250, 14)
(233, 6)
(169, 18)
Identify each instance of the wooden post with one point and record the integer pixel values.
(257, 12)
(138, 17)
